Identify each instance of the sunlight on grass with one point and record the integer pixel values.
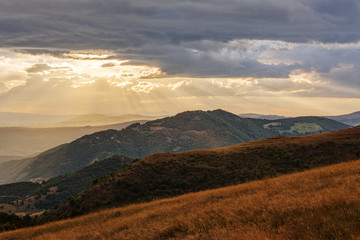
(319, 204)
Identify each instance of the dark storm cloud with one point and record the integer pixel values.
(124, 23)
(187, 37)
(207, 58)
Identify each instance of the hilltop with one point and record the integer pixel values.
(184, 131)
(352, 119)
(319, 204)
(168, 174)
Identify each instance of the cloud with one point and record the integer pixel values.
(192, 38)
(333, 63)
(81, 84)
(126, 24)
(174, 94)
(110, 64)
(204, 68)
(3, 88)
(38, 68)
(138, 53)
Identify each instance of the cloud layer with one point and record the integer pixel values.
(139, 52)
(133, 23)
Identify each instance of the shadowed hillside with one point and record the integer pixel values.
(14, 191)
(318, 204)
(169, 174)
(29, 198)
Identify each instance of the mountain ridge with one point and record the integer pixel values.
(184, 131)
(352, 119)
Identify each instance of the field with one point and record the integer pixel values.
(322, 203)
(303, 128)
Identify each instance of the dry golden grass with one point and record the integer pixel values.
(322, 203)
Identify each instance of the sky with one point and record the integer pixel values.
(285, 57)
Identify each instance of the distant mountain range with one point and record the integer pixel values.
(352, 119)
(43, 132)
(25, 141)
(100, 120)
(5, 158)
(185, 131)
(168, 174)
(9, 119)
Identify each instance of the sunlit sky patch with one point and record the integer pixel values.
(293, 57)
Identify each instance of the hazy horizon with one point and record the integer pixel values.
(160, 114)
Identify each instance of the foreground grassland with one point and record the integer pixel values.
(322, 203)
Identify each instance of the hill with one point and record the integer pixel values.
(24, 119)
(185, 131)
(29, 198)
(352, 119)
(168, 174)
(6, 158)
(319, 204)
(17, 141)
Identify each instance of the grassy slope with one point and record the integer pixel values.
(317, 204)
(169, 174)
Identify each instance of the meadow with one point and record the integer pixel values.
(322, 203)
